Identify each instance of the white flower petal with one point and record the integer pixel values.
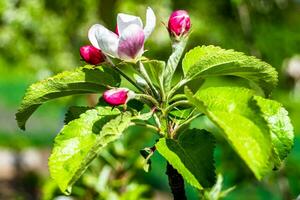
(92, 36)
(131, 43)
(150, 22)
(124, 20)
(104, 39)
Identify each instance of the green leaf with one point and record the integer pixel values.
(282, 133)
(135, 104)
(169, 70)
(88, 79)
(192, 156)
(80, 141)
(234, 112)
(155, 69)
(208, 61)
(74, 112)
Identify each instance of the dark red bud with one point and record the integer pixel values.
(116, 96)
(91, 55)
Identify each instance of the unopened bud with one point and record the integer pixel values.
(91, 55)
(118, 96)
(179, 23)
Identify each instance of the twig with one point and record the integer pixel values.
(149, 98)
(177, 103)
(176, 183)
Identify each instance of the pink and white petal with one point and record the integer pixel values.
(124, 20)
(150, 22)
(131, 42)
(92, 36)
(104, 39)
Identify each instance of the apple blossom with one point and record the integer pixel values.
(128, 43)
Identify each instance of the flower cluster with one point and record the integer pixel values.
(127, 44)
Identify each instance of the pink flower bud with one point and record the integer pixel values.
(179, 23)
(91, 55)
(117, 96)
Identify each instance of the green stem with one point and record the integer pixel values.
(176, 87)
(177, 103)
(178, 97)
(124, 75)
(174, 133)
(162, 89)
(149, 98)
(128, 79)
(191, 114)
(147, 126)
(110, 159)
(157, 121)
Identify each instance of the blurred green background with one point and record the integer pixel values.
(39, 38)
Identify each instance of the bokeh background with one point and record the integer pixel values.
(39, 38)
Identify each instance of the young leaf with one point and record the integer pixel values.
(169, 70)
(192, 156)
(281, 129)
(207, 61)
(155, 69)
(233, 111)
(80, 141)
(83, 80)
